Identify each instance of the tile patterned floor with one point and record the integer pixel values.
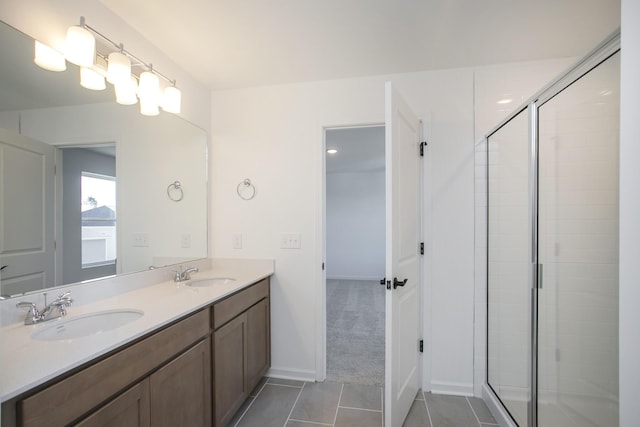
(286, 403)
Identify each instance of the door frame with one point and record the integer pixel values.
(321, 291)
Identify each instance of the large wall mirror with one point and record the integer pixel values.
(90, 188)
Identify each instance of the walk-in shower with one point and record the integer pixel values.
(552, 250)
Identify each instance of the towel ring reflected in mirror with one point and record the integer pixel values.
(246, 190)
(174, 191)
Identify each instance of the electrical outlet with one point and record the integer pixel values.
(140, 240)
(290, 241)
(185, 240)
(237, 240)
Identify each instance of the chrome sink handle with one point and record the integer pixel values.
(62, 302)
(33, 315)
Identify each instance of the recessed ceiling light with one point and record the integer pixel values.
(505, 101)
(332, 151)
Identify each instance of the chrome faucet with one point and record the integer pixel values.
(182, 276)
(55, 310)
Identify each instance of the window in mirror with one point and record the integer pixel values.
(98, 207)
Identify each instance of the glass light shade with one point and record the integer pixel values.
(80, 48)
(48, 58)
(149, 93)
(149, 88)
(119, 68)
(171, 100)
(91, 79)
(126, 91)
(149, 107)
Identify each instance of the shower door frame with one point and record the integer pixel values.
(607, 48)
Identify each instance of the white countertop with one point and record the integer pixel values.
(26, 363)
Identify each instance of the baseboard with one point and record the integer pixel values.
(292, 374)
(332, 277)
(496, 408)
(458, 389)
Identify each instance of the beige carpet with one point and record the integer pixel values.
(355, 332)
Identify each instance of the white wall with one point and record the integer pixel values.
(355, 225)
(274, 135)
(629, 214)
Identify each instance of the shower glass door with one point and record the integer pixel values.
(509, 284)
(577, 372)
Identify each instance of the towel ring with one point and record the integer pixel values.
(174, 191)
(246, 190)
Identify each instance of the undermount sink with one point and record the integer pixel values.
(87, 324)
(210, 281)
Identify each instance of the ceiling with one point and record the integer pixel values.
(241, 43)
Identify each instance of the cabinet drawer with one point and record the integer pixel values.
(77, 394)
(230, 307)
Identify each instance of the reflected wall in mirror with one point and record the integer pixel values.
(60, 146)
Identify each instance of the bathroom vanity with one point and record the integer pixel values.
(194, 367)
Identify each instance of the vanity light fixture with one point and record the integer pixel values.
(81, 49)
(48, 58)
(119, 68)
(171, 99)
(332, 151)
(149, 93)
(504, 101)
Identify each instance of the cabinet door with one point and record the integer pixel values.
(181, 390)
(229, 353)
(258, 343)
(130, 409)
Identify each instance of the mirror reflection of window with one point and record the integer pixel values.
(98, 213)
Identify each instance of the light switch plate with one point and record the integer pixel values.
(185, 240)
(140, 240)
(290, 241)
(237, 240)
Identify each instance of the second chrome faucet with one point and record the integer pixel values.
(183, 276)
(55, 310)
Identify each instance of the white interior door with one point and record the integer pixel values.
(27, 214)
(403, 235)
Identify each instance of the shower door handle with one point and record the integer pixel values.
(397, 283)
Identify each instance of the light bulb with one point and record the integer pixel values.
(119, 68)
(48, 58)
(91, 79)
(80, 48)
(149, 93)
(148, 107)
(126, 91)
(171, 100)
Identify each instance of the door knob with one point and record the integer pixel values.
(397, 283)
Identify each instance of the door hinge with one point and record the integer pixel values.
(421, 346)
(421, 248)
(55, 169)
(323, 266)
(422, 145)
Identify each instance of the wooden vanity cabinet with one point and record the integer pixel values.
(161, 378)
(241, 348)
